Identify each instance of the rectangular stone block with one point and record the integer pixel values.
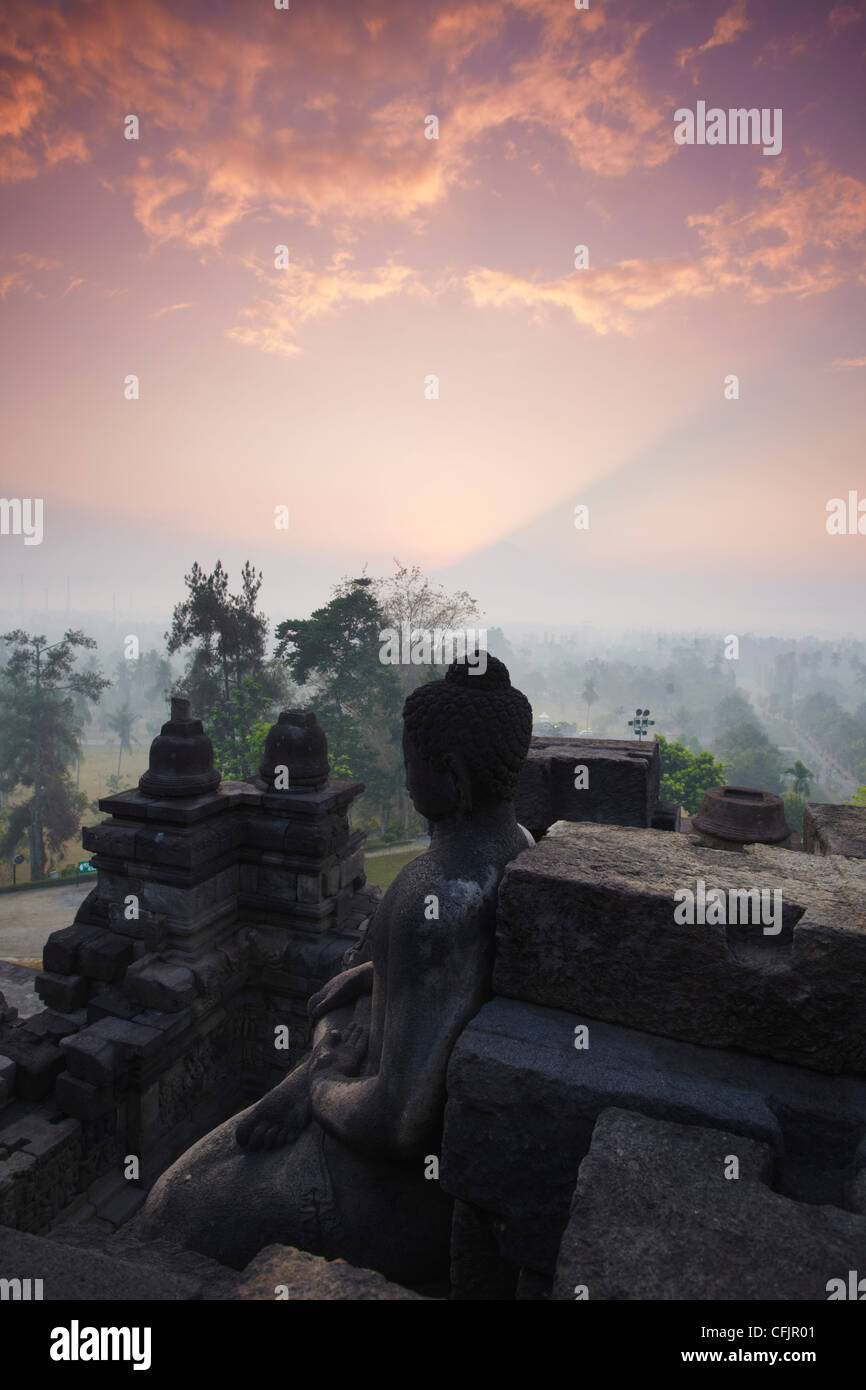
(60, 952)
(586, 923)
(156, 984)
(110, 1003)
(105, 956)
(81, 1099)
(835, 830)
(351, 869)
(91, 1059)
(526, 1086)
(38, 1064)
(309, 888)
(276, 882)
(63, 992)
(657, 1216)
(131, 1038)
(607, 781)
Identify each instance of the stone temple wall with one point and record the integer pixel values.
(171, 998)
(596, 1103)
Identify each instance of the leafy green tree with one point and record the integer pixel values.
(227, 635)
(751, 760)
(802, 783)
(39, 733)
(357, 698)
(685, 775)
(231, 685)
(794, 805)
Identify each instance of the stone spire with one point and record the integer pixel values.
(181, 757)
(298, 744)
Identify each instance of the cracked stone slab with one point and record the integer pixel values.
(655, 1217)
(586, 923)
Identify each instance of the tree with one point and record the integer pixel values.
(231, 685)
(39, 733)
(802, 783)
(749, 758)
(226, 633)
(122, 723)
(357, 699)
(685, 776)
(794, 806)
(589, 695)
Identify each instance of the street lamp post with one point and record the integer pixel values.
(641, 723)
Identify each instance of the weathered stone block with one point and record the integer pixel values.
(131, 1038)
(656, 1215)
(92, 1059)
(60, 952)
(835, 830)
(621, 782)
(352, 869)
(523, 1100)
(309, 888)
(586, 923)
(156, 984)
(276, 882)
(104, 956)
(63, 992)
(38, 1065)
(82, 1099)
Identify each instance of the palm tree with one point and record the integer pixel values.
(123, 724)
(802, 784)
(589, 694)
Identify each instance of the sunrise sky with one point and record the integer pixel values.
(454, 257)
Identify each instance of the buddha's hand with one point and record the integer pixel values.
(279, 1117)
(342, 990)
(341, 1051)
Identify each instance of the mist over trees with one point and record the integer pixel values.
(788, 717)
(39, 741)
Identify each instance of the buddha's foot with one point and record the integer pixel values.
(275, 1121)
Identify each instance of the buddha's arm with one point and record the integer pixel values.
(342, 989)
(435, 984)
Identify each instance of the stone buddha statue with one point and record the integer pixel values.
(332, 1160)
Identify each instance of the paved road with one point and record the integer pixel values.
(27, 919)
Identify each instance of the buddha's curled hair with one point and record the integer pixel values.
(480, 715)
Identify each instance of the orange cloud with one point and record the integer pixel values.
(169, 309)
(805, 236)
(729, 27)
(301, 293)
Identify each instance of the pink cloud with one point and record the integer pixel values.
(802, 236)
(730, 26)
(301, 293)
(841, 16)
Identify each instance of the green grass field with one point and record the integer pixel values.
(384, 868)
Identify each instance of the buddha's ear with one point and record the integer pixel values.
(461, 778)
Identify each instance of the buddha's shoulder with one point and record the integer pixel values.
(434, 885)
